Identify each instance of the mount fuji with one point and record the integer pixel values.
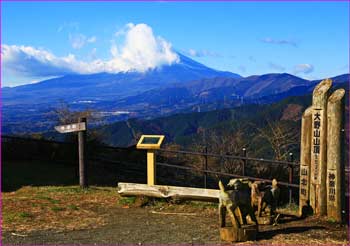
(107, 86)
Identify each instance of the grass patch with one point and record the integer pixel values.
(10, 217)
(57, 209)
(25, 215)
(127, 200)
(51, 200)
(73, 207)
(202, 205)
(70, 190)
(291, 208)
(332, 221)
(17, 216)
(157, 202)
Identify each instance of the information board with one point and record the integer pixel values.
(150, 142)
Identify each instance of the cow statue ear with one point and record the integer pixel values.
(231, 182)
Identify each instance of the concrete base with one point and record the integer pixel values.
(245, 233)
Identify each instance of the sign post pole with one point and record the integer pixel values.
(335, 167)
(82, 164)
(305, 155)
(290, 174)
(79, 127)
(151, 169)
(319, 147)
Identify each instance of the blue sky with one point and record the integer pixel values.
(47, 39)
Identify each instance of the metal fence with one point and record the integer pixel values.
(106, 156)
(291, 165)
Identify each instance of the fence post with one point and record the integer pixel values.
(205, 175)
(244, 152)
(290, 172)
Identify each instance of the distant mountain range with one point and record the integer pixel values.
(186, 86)
(238, 90)
(105, 86)
(183, 128)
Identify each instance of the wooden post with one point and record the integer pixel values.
(79, 127)
(151, 167)
(335, 163)
(290, 172)
(82, 164)
(305, 155)
(205, 174)
(319, 147)
(244, 150)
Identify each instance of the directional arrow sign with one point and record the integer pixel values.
(75, 127)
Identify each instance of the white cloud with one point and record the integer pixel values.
(29, 61)
(192, 52)
(92, 54)
(122, 31)
(114, 50)
(91, 39)
(303, 68)
(141, 51)
(279, 41)
(68, 25)
(201, 53)
(276, 67)
(79, 40)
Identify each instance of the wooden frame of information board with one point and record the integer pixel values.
(150, 142)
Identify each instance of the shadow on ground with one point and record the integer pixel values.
(269, 234)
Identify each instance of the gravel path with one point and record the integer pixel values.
(142, 226)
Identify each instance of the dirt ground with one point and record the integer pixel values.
(148, 225)
(101, 217)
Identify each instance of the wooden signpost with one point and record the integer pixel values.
(319, 147)
(305, 155)
(335, 167)
(76, 127)
(79, 127)
(321, 154)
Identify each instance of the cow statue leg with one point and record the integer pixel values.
(234, 219)
(222, 215)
